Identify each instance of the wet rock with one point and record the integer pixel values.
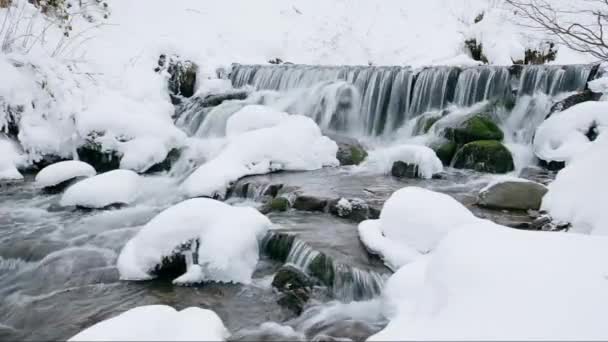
(166, 164)
(213, 100)
(404, 170)
(322, 268)
(445, 151)
(310, 203)
(425, 122)
(279, 204)
(295, 287)
(543, 55)
(352, 209)
(477, 127)
(572, 100)
(513, 195)
(273, 190)
(277, 245)
(343, 330)
(58, 188)
(484, 156)
(475, 50)
(174, 265)
(553, 165)
(350, 151)
(102, 160)
(183, 73)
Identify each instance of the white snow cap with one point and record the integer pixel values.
(62, 171)
(562, 136)
(488, 282)
(294, 143)
(578, 193)
(382, 159)
(158, 323)
(228, 242)
(113, 187)
(413, 221)
(9, 159)
(253, 117)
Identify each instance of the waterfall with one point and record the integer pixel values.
(378, 100)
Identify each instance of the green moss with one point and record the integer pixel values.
(445, 151)
(484, 156)
(278, 245)
(478, 127)
(279, 204)
(322, 268)
(358, 155)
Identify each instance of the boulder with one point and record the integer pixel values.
(352, 209)
(477, 127)
(425, 122)
(295, 286)
(182, 81)
(404, 170)
(350, 151)
(445, 151)
(572, 100)
(277, 245)
(310, 203)
(279, 204)
(513, 195)
(102, 160)
(484, 156)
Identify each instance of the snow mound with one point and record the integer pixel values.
(63, 171)
(408, 225)
(564, 135)
(114, 187)
(578, 193)
(141, 154)
(253, 117)
(227, 236)
(488, 282)
(9, 159)
(381, 160)
(296, 144)
(158, 323)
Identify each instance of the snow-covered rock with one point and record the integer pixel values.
(488, 282)
(141, 154)
(413, 221)
(63, 171)
(296, 143)
(227, 242)
(565, 134)
(253, 117)
(113, 187)
(578, 193)
(9, 160)
(158, 323)
(382, 159)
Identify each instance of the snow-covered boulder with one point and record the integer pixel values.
(413, 221)
(488, 282)
(118, 187)
(158, 323)
(424, 158)
(295, 143)
(59, 175)
(578, 193)
(223, 238)
(567, 134)
(512, 193)
(253, 117)
(9, 159)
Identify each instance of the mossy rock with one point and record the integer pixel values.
(322, 268)
(278, 245)
(477, 127)
(351, 154)
(445, 151)
(279, 204)
(484, 156)
(425, 122)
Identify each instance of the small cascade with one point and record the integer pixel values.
(301, 255)
(553, 79)
(480, 84)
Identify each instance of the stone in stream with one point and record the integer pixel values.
(484, 156)
(352, 209)
(477, 127)
(402, 169)
(295, 286)
(513, 195)
(350, 151)
(279, 204)
(277, 245)
(102, 160)
(445, 150)
(310, 203)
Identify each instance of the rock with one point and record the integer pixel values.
(279, 204)
(445, 151)
(425, 122)
(350, 151)
(475, 50)
(183, 73)
(322, 268)
(553, 165)
(102, 160)
(58, 188)
(352, 209)
(296, 287)
(514, 195)
(572, 100)
(342, 330)
(310, 203)
(547, 53)
(477, 127)
(484, 156)
(166, 164)
(404, 170)
(213, 100)
(277, 245)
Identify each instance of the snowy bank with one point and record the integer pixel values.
(114, 187)
(60, 172)
(413, 221)
(293, 143)
(488, 282)
(158, 323)
(578, 193)
(226, 242)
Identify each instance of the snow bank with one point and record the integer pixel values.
(228, 242)
(158, 323)
(488, 282)
(563, 136)
(295, 143)
(253, 117)
(9, 160)
(408, 225)
(382, 159)
(114, 187)
(62, 171)
(578, 193)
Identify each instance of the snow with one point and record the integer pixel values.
(407, 225)
(295, 144)
(253, 117)
(228, 242)
(158, 323)
(381, 160)
(577, 194)
(488, 282)
(62, 171)
(113, 187)
(9, 160)
(141, 154)
(563, 136)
